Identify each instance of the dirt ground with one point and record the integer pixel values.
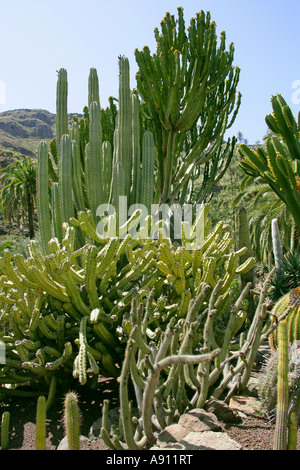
(254, 433)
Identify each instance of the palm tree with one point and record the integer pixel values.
(18, 194)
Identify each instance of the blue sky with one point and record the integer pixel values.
(37, 37)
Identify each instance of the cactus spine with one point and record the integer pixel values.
(40, 439)
(72, 420)
(280, 438)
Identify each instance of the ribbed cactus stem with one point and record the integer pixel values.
(107, 170)
(65, 179)
(292, 431)
(40, 437)
(77, 180)
(93, 160)
(147, 183)
(72, 420)
(136, 151)
(43, 200)
(5, 430)
(61, 107)
(93, 87)
(124, 122)
(56, 212)
(244, 241)
(280, 438)
(277, 248)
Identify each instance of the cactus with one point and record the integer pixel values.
(43, 200)
(280, 438)
(72, 420)
(5, 430)
(277, 248)
(177, 369)
(61, 109)
(278, 164)
(173, 84)
(244, 241)
(40, 440)
(288, 305)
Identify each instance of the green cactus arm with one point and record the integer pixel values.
(5, 430)
(43, 199)
(40, 438)
(72, 420)
(93, 87)
(61, 108)
(93, 160)
(77, 180)
(280, 437)
(56, 212)
(124, 148)
(147, 186)
(65, 179)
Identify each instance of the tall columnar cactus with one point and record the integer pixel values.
(288, 304)
(280, 438)
(244, 241)
(43, 198)
(65, 179)
(93, 87)
(61, 108)
(277, 248)
(93, 160)
(188, 90)
(5, 430)
(278, 164)
(72, 420)
(40, 440)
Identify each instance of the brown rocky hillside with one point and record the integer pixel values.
(21, 131)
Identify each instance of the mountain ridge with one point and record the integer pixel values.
(21, 131)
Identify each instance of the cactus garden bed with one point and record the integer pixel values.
(254, 432)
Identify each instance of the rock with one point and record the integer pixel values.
(253, 386)
(210, 440)
(222, 411)
(199, 420)
(63, 445)
(245, 404)
(171, 434)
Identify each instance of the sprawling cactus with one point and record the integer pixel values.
(65, 310)
(179, 368)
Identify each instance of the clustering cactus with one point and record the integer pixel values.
(62, 313)
(86, 172)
